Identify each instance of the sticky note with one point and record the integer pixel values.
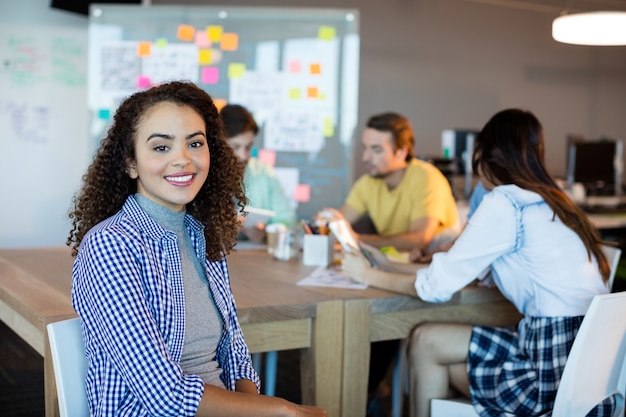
(315, 69)
(302, 193)
(215, 33)
(312, 92)
(230, 42)
(326, 33)
(143, 82)
(160, 43)
(236, 70)
(204, 57)
(267, 156)
(144, 48)
(104, 114)
(219, 103)
(202, 39)
(294, 93)
(329, 128)
(294, 67)
(210, 75)
(186, 33)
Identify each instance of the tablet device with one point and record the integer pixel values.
(349, 242)
(258, 215)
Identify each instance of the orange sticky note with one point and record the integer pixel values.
(219, 103)
(312, 92)
(315, 69)
(302, 193)
(230, 42)
(144, 49)
(267, 156)
(186, 33)
(215, 33)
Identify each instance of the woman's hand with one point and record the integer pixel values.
(355, 267)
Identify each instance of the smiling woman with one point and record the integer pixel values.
(151, 227)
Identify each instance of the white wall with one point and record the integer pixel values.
(43, 121)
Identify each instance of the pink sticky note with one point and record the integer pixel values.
(295, 67)
(302, 193)
(210, 75)
(143, 82)
(267, 156)
(202, 39)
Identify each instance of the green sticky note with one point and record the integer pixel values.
(236, 70)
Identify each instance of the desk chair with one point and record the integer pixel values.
(70, 367)
(595, 368)
(399, 377)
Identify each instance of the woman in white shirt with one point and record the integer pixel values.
(545, 257)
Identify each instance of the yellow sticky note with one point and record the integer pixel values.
(294, 93)
(326, 33)
(215, 33)
(329, 128)
(315, 69)
(160, 43)
(186, 33)
(144, 49)
(230, 42)
(312, 92)
(204, 57)
(236, 70)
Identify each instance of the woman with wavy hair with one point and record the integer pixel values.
(152, 225)
(545, 257)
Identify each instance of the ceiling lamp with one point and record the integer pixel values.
(591, 28)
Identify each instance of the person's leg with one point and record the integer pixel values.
(437, 357)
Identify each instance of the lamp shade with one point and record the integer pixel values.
(592, 28)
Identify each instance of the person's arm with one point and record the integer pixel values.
(420, 234)
(357, 269)
(218, 402)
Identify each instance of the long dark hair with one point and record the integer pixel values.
(106, 185)
(510, 150)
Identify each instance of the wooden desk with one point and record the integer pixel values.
(274, 313)
(332, 327)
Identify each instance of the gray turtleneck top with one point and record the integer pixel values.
(203, 324)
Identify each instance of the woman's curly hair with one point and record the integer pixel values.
(106, 185)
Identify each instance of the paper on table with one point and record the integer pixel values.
(330, 277)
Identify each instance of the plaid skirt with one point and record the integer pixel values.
(516, 371)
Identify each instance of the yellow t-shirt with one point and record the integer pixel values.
(423, 192)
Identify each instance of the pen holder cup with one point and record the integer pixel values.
(318, 250)
(282, 243)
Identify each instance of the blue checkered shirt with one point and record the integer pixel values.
(127, 288)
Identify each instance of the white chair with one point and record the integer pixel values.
(70, 367)
(399, 378)
(595, 368)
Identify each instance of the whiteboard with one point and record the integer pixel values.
(296, 70)
(43, 121)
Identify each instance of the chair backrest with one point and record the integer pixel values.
(613, 254)
(596, 366)
(70, 367)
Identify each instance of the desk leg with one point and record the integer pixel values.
(356, 358)
(50, 390)
(321, 362)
